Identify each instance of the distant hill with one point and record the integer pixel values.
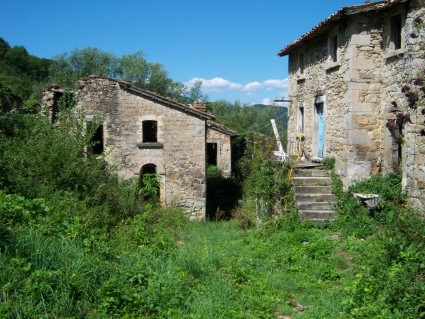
(281, 114)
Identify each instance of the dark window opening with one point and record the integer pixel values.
(96, 146)
(212, 154)
(149, 182)
(55, 107)
(150, 129)
(333, 50)
(396, 27)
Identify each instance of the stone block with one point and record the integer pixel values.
(362, 64)
(359, 137)
(360, 39)
(359, 168)
(361, 108)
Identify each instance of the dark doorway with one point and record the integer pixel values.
(212, 154)
(149, 182)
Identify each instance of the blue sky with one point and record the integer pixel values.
(231, 45)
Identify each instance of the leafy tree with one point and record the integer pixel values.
(69, 67)
(133, 68)
(23, 73)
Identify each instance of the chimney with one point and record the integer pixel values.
(199, 106)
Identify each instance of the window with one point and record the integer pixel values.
(96, 146)
(57, 95)
(212, 154)
(333, 48)
(150, 130)
(395, 29)
(301, 119)
(301, 63)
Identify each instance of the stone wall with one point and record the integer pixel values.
(223, 141)
(350, 92)
(179, 153)
(402, 66)
(357, 92)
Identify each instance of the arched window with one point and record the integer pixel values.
(150, 132)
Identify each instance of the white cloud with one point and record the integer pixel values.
(266, 101)
(251, 86)
(275, 84)
(217, 85)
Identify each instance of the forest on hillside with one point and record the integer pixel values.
(83, 244)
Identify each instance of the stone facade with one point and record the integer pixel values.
(143, 132)
(344, 76)
(219, 140)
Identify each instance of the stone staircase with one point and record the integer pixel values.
(313, 195)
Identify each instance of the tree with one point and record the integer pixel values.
(134, 68)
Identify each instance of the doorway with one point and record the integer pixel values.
(320, 129)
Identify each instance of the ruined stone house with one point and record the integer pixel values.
(345, 77)
(142, 132)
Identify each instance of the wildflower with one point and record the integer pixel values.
(405, 88)
(419, 81)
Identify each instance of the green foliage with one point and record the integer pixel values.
(149, 187)
(223, 194)
(388, 243)
(266, 188)
(249, 119)
(23, 73)
(67, 68)
(329, 163)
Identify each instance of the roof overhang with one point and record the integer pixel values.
(335, 18)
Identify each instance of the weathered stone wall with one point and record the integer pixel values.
(401, 66)
(224, 160)
(179, 154)
(358, 91)
(349, 90)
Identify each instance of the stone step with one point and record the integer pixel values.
(315, 197)
(317, 214)
(312, 190)
(310, 181)
(309, 173)
(315, 205)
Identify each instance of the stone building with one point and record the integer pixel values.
(139, 132)
(345, 79)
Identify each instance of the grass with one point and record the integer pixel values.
(68, 257)
(257, 274)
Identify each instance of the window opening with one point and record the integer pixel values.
(301, 63)
(301, 120)
(396, 31)
(150, 130)
(96, 146)
(55, 107)
(212, 154)
(334, 48)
